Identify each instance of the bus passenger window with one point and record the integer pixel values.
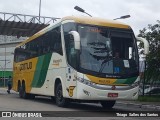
(56, 38)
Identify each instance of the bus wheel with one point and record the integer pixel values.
(60, 100)
(22, 92)
(18, 86)
(108, 104)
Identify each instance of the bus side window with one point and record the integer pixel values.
(56, 41)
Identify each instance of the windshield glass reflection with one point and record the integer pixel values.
(108, 52)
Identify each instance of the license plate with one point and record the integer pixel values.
(112, 94)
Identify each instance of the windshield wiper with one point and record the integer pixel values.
(108, 58)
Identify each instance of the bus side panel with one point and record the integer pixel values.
(24, 71)
(47, 71)
(41, 70)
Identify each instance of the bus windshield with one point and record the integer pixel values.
(108, 51)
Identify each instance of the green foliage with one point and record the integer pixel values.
(152, 34)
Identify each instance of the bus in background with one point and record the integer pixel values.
(79, 58)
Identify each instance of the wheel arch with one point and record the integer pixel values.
(57, 81)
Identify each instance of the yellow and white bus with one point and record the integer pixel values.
(79, 58)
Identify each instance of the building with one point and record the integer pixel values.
(6, 56)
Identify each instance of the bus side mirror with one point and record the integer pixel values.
(146, 44)
(76, 38)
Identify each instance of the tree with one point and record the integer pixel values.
(152, 34)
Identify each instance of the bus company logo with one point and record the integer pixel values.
(105, 81)
(6, 114)
(56, 62)
(70, 90)
(25, 66)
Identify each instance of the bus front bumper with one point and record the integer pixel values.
(85, 92)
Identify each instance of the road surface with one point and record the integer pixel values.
(74, 111)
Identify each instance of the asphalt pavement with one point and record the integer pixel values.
(139, 104)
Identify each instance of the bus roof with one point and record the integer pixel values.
(97, 21)
(82, 20)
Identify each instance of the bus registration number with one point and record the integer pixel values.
(113, 95)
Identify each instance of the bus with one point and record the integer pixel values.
(83, 59)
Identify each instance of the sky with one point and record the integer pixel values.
(142, 12)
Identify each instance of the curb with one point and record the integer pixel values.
(143, 106)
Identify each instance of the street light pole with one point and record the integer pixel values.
(4, 62)
(2, 72)
(39, 10)
(5, 71)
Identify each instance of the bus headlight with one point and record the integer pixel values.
(86, 82)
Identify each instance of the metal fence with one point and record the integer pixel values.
(147, 87)
(3, 82)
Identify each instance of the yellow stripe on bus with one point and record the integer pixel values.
(103, 81)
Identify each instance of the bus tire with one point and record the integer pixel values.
(22, 92)
(108, 104)
(60, 100)
(18, 86)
